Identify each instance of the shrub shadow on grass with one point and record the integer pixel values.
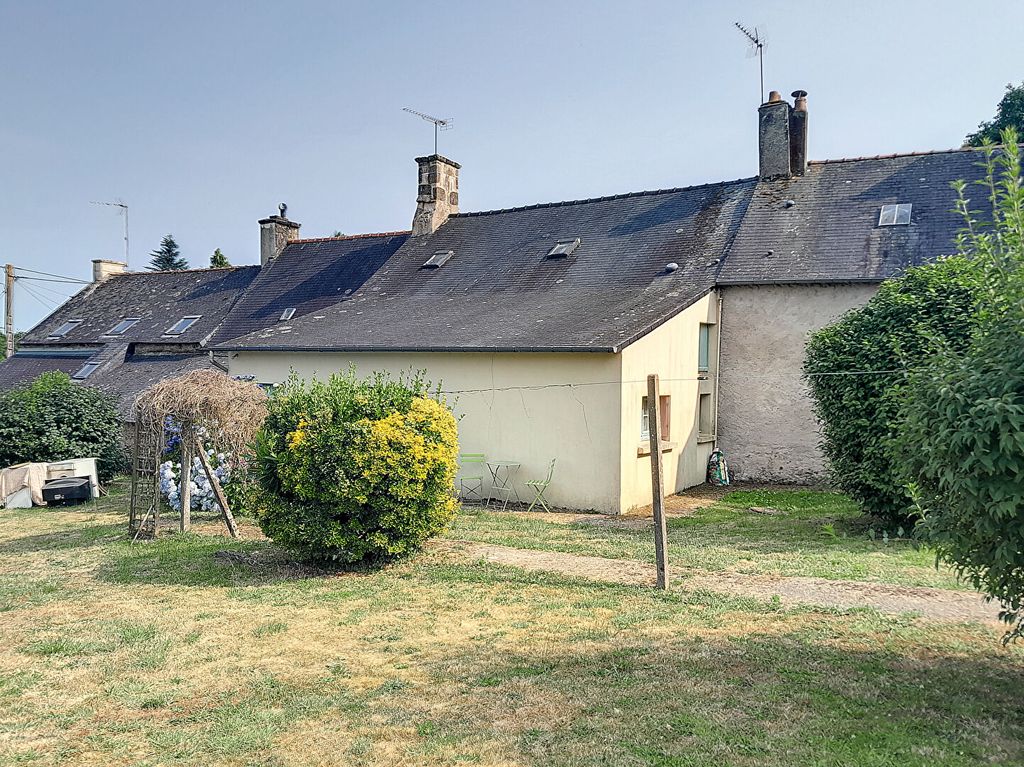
(75, 538)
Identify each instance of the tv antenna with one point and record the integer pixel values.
(757, 40)
(443, 124)
(124, 211)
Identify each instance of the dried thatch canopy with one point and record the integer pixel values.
(224, 410)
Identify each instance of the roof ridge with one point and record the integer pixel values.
(585, 201)
(187, 271)
(367, 236)
(894, 155)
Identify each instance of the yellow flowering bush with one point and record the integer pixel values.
(355, 469)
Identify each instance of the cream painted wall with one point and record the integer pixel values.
(766, 426)
(671, 352)
(578, 425)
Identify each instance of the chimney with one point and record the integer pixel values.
(275, 233)
(438, 193)
(798, 134)
(102, 269)
(773, 138)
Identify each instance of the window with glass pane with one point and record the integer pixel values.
(704, 348)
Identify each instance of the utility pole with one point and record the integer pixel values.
(9, 309)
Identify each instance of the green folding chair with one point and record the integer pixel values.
(539, 486)
(471, 486)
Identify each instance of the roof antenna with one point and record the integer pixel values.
(757, 40)
(446, 124)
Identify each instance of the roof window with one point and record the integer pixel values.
(66, 328)
(182, 325)
(122, 327)
(564, 248)
(287, 314)
(85, 371)
(439, 259)
(895, 215)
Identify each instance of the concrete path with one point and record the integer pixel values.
(934, 604)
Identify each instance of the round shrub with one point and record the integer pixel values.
(901, 326)
(355, 470)
(53, 419)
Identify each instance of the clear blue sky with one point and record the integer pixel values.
(202, 116)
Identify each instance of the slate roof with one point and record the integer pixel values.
(137, 372)
(500, 292)
(831, 232)
(158, 299)
(24, 366)
(308, 276)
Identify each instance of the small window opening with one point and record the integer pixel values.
(182, 325)
(564, 248)
(439, 259)
(66, 328)
(287, 314)
(895, 215)
(664, 418)
(704, 348)
(85, 371)
(706, 416)
(122, 327)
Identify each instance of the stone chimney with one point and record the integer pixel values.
(438, 193)
(275, 233)
(102, 269)
(782, 137)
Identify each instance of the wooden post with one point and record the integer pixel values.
(218, 491)
(657, 479)
(185, 491)
(9, 309)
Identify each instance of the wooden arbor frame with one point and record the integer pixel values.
(205, 406)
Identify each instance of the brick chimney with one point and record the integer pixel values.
(275, 233)
(438, 193)
(782, 137)
(102, 269)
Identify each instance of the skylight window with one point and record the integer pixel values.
(182, 325)
(85, 371)
(287, 314)
(895, 215)
(122, 327)
(439, 259)
(564, 248)
(66, 328)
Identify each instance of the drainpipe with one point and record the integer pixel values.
(718, 368)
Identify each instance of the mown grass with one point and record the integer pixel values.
(163, 653)
(818, 534)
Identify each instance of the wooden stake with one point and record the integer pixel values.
(185, 492)
(657, 479)
(218, 491)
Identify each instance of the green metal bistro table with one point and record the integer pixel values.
(503, 486)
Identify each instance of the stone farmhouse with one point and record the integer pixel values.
(542, 322)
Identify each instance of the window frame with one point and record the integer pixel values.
(64, 328)
(194, 319)
(664, 418)
(81, 374)
(704, 347)
(899, 214)
(287, 314)
(132, 322)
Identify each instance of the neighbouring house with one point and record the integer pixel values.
(127, 330)
(541, 323)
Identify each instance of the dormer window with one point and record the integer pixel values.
(895, 215)
(122, 327)
(182, 325)
(287, 314)
(439, 259)
(85, 371)
(66, 328)
(564, 248)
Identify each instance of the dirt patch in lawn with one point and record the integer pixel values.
(933, 604)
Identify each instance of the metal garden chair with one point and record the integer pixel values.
(471, 487)
(539, 486)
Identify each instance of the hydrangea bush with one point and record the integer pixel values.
(356, 470)
(202, 498)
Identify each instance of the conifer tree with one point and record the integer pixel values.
(218, 260)
(167, 258)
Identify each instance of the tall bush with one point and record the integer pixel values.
(53, 419)
(855, 366)
(355, 470)
(962, 413)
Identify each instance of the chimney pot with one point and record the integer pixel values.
(774, 96)
(103, 269)
(275, 233)
(437, 193)
(798, 134)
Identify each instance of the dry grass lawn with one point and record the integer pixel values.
(166, 654)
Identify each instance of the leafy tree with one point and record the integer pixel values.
(858, 408)
(337, 233)
(355, 470)
(218, 260)
(167, 258)
(1009, 114)
(962, 418)
(53, 419)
